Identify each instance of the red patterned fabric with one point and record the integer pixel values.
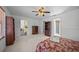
(65, 45)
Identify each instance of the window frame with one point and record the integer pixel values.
(55, 33)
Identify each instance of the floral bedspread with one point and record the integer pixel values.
(65, 45)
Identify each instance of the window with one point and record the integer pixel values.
(22, 24)
(24, 27)
(57, 27)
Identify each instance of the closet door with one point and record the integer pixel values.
(10, 32)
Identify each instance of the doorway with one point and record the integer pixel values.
(47, 28)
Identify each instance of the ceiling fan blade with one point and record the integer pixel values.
(46, 12)
(36, 14)
(34, 11)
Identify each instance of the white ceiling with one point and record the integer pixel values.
(26, 11)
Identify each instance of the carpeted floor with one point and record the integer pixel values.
(26, 43)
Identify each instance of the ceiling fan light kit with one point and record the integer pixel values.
(41, 11)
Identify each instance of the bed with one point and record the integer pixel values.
(64, 45)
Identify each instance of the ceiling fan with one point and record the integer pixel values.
(41, 11)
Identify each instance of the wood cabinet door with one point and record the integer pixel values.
(34, 29)
(10, 33)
